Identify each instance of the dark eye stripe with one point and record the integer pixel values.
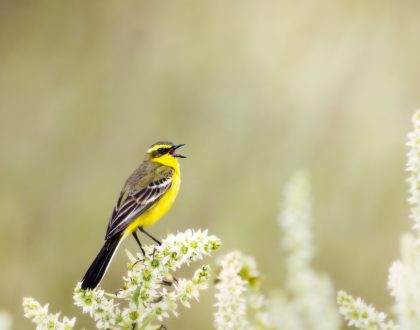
(163, 151)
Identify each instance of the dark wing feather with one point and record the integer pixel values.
(130, 207)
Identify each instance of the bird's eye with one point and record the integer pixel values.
(162, 151)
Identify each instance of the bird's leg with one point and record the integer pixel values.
(138, 242)
(150, 236)
(153, 254)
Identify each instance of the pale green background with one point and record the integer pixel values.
(256, 89)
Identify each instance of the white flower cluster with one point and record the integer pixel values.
(234, 302)
(413, 168)
(44, 320)
(404, 274)
(362, 316)
(102, 309)
(295, 220)
(308, 299)
(310, 303)
(150, 290)
(404, 284)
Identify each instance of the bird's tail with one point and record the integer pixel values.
(99, 266)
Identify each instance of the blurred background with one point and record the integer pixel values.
(256, 89)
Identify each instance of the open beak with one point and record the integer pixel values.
(176, 147)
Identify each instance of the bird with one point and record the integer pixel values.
(147, 195)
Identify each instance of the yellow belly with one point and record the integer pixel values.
(158, 210)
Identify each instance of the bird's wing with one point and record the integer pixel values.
(131, 205)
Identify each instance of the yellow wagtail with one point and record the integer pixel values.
(147, 195)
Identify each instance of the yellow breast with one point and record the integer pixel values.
(159, 209)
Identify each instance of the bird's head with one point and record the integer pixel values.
(164, 152)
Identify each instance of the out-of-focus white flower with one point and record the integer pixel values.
(44, 320)
(5, 320)
(311, 294)
(295, 220)
(257, 310)
(307, 302)
(404, 274)
(413, 168)
(404, 284)
(282, 312)
(362, 316)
